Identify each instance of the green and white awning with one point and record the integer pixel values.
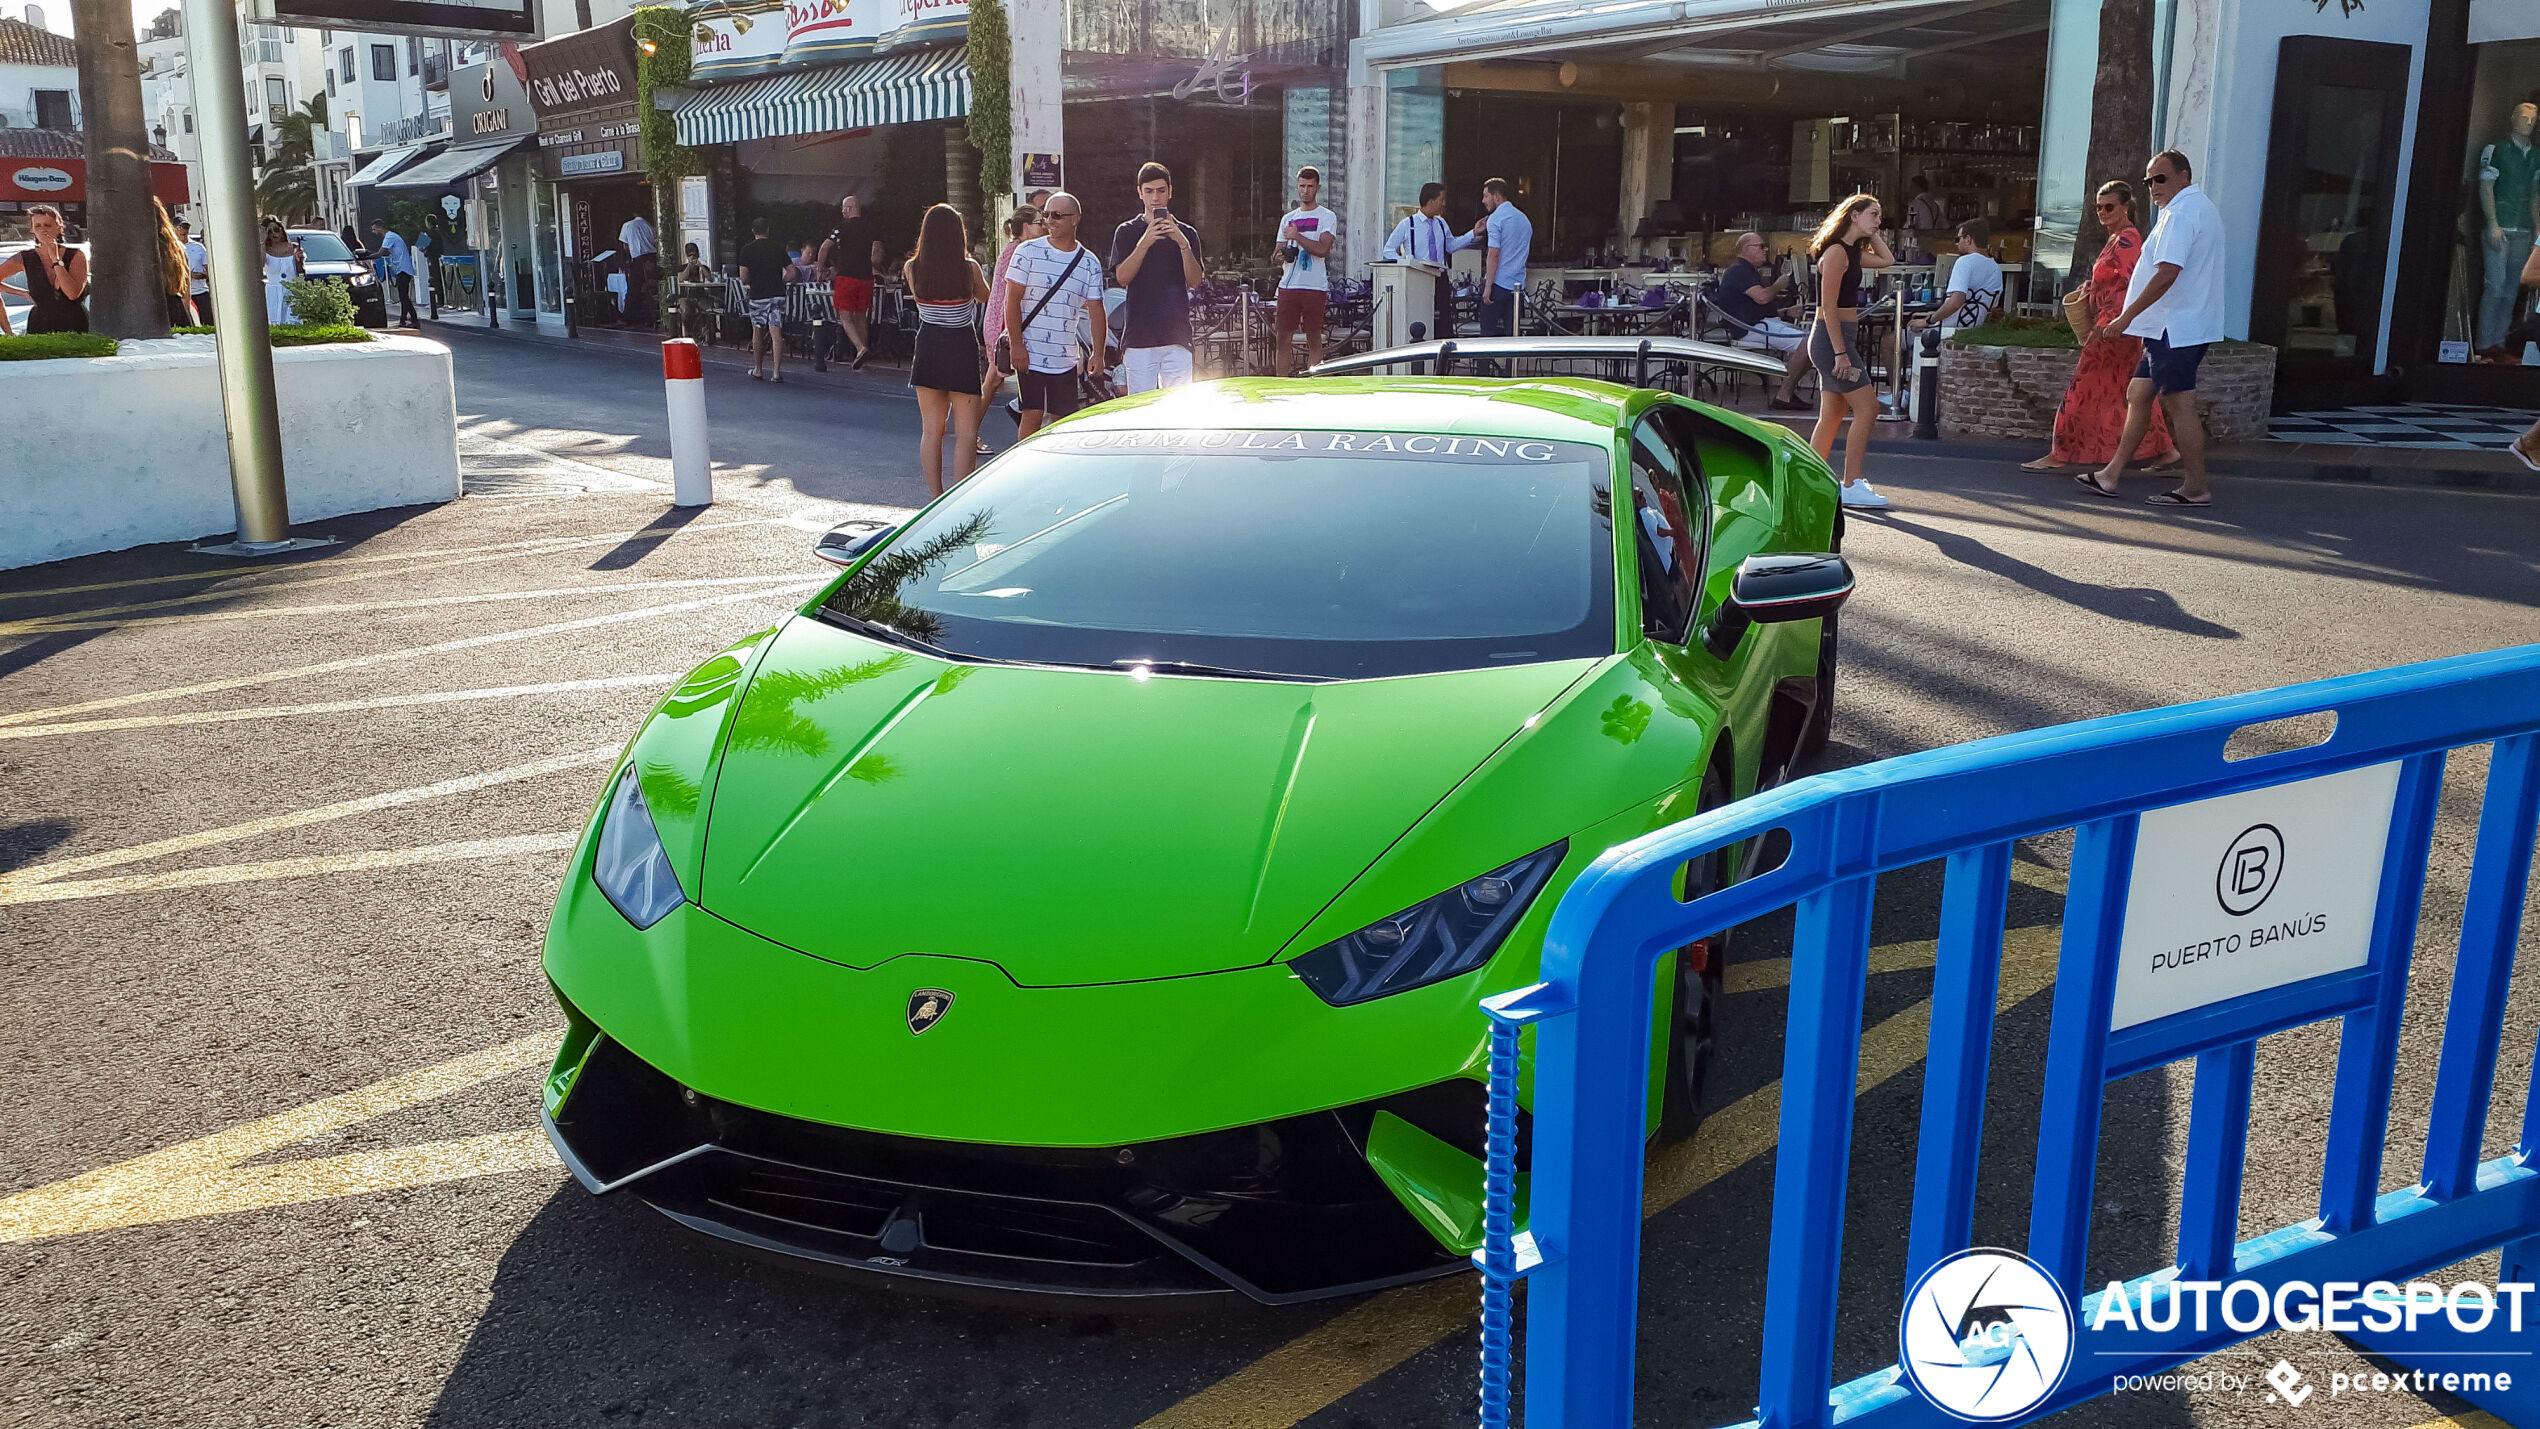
(897, 89)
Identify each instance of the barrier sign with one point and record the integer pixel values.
(2252, 891)
(2210, 903)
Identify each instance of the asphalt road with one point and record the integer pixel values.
(281, 841)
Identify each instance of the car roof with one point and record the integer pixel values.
(1543, 408)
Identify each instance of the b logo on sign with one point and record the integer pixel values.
(2250, 869)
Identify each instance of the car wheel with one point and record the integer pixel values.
(1699, 987)
(1820, 726)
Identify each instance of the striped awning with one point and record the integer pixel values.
(896, 89)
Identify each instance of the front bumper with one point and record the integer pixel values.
(1279, 1212)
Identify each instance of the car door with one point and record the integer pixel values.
(1674, 535)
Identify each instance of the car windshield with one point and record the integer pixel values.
(1315, 555)
(323, 247)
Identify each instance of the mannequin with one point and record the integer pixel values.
(2509, 202)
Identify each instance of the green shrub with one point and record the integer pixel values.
(311, 334)
(299, 334)
(40, 346)
(320, 302)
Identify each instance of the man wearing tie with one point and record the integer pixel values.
(1423, 237)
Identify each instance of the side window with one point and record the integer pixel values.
(1667, 530)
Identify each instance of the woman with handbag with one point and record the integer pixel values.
(951, 363)
(2093, 415)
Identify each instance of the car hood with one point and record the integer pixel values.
(1073, 826)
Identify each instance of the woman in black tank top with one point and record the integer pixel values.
(1845, 244)
(52, 274)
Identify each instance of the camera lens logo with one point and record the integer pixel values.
(2249, 870)
(1986, 1335)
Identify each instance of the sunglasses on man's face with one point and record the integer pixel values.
(2156, 178)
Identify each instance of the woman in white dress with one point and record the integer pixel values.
(283, 259)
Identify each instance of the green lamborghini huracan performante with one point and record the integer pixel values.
(1088, 895)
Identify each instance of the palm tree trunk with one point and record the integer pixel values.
(2120, 119)
(127, 296)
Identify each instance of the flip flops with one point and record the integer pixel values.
(2526, 458)
(2089, 481)
(2172, 498)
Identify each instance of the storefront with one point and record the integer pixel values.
(476, 187)
(1232, 97)
(797, 106)
(589, 175)
(50, 166)
(2462, 325)
(1658, 132)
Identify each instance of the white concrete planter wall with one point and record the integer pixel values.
(106, 453)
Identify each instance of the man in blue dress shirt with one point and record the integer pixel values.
(1505, 235)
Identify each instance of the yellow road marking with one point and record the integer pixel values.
(2475, 1419)
(383, 702)
(411, 652)
(204, 1178)
(49, 626)
(331, 570)
(1315, 1370)
(14, 885)
(516, 846)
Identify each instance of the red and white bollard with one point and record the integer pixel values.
(691, 472)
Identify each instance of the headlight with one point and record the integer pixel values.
(364, 280)
(631, 867)
(1453, 933)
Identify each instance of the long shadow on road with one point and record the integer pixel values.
(2139, 605)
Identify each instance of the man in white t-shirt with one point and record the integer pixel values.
(1053, 285)
(2174, 303)
(198, 265)
(1975, 280)
(1308, 234)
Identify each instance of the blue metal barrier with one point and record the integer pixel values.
(1590, 1019)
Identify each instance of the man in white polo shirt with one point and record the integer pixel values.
(2175, 304)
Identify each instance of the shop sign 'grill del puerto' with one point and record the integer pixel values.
(2212, 900)
(898, 89)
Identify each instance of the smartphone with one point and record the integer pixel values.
(1155, 213)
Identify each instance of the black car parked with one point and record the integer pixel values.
(329, 258)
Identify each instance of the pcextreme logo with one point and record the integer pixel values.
(1986, 1335)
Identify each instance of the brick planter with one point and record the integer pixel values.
(2013, 392)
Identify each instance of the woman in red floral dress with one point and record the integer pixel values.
(2093, 414)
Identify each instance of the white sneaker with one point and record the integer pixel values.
(1859, 495)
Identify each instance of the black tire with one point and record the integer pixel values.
(1820, 726)
(1697, 989)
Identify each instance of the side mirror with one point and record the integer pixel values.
(843, 545)
(1770, 589)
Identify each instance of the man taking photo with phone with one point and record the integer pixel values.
(1156, 257)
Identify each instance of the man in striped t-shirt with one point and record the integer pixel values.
(1052, 281)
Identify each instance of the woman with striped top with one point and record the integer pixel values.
(951, 365)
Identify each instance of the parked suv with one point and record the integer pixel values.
(329, 258)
